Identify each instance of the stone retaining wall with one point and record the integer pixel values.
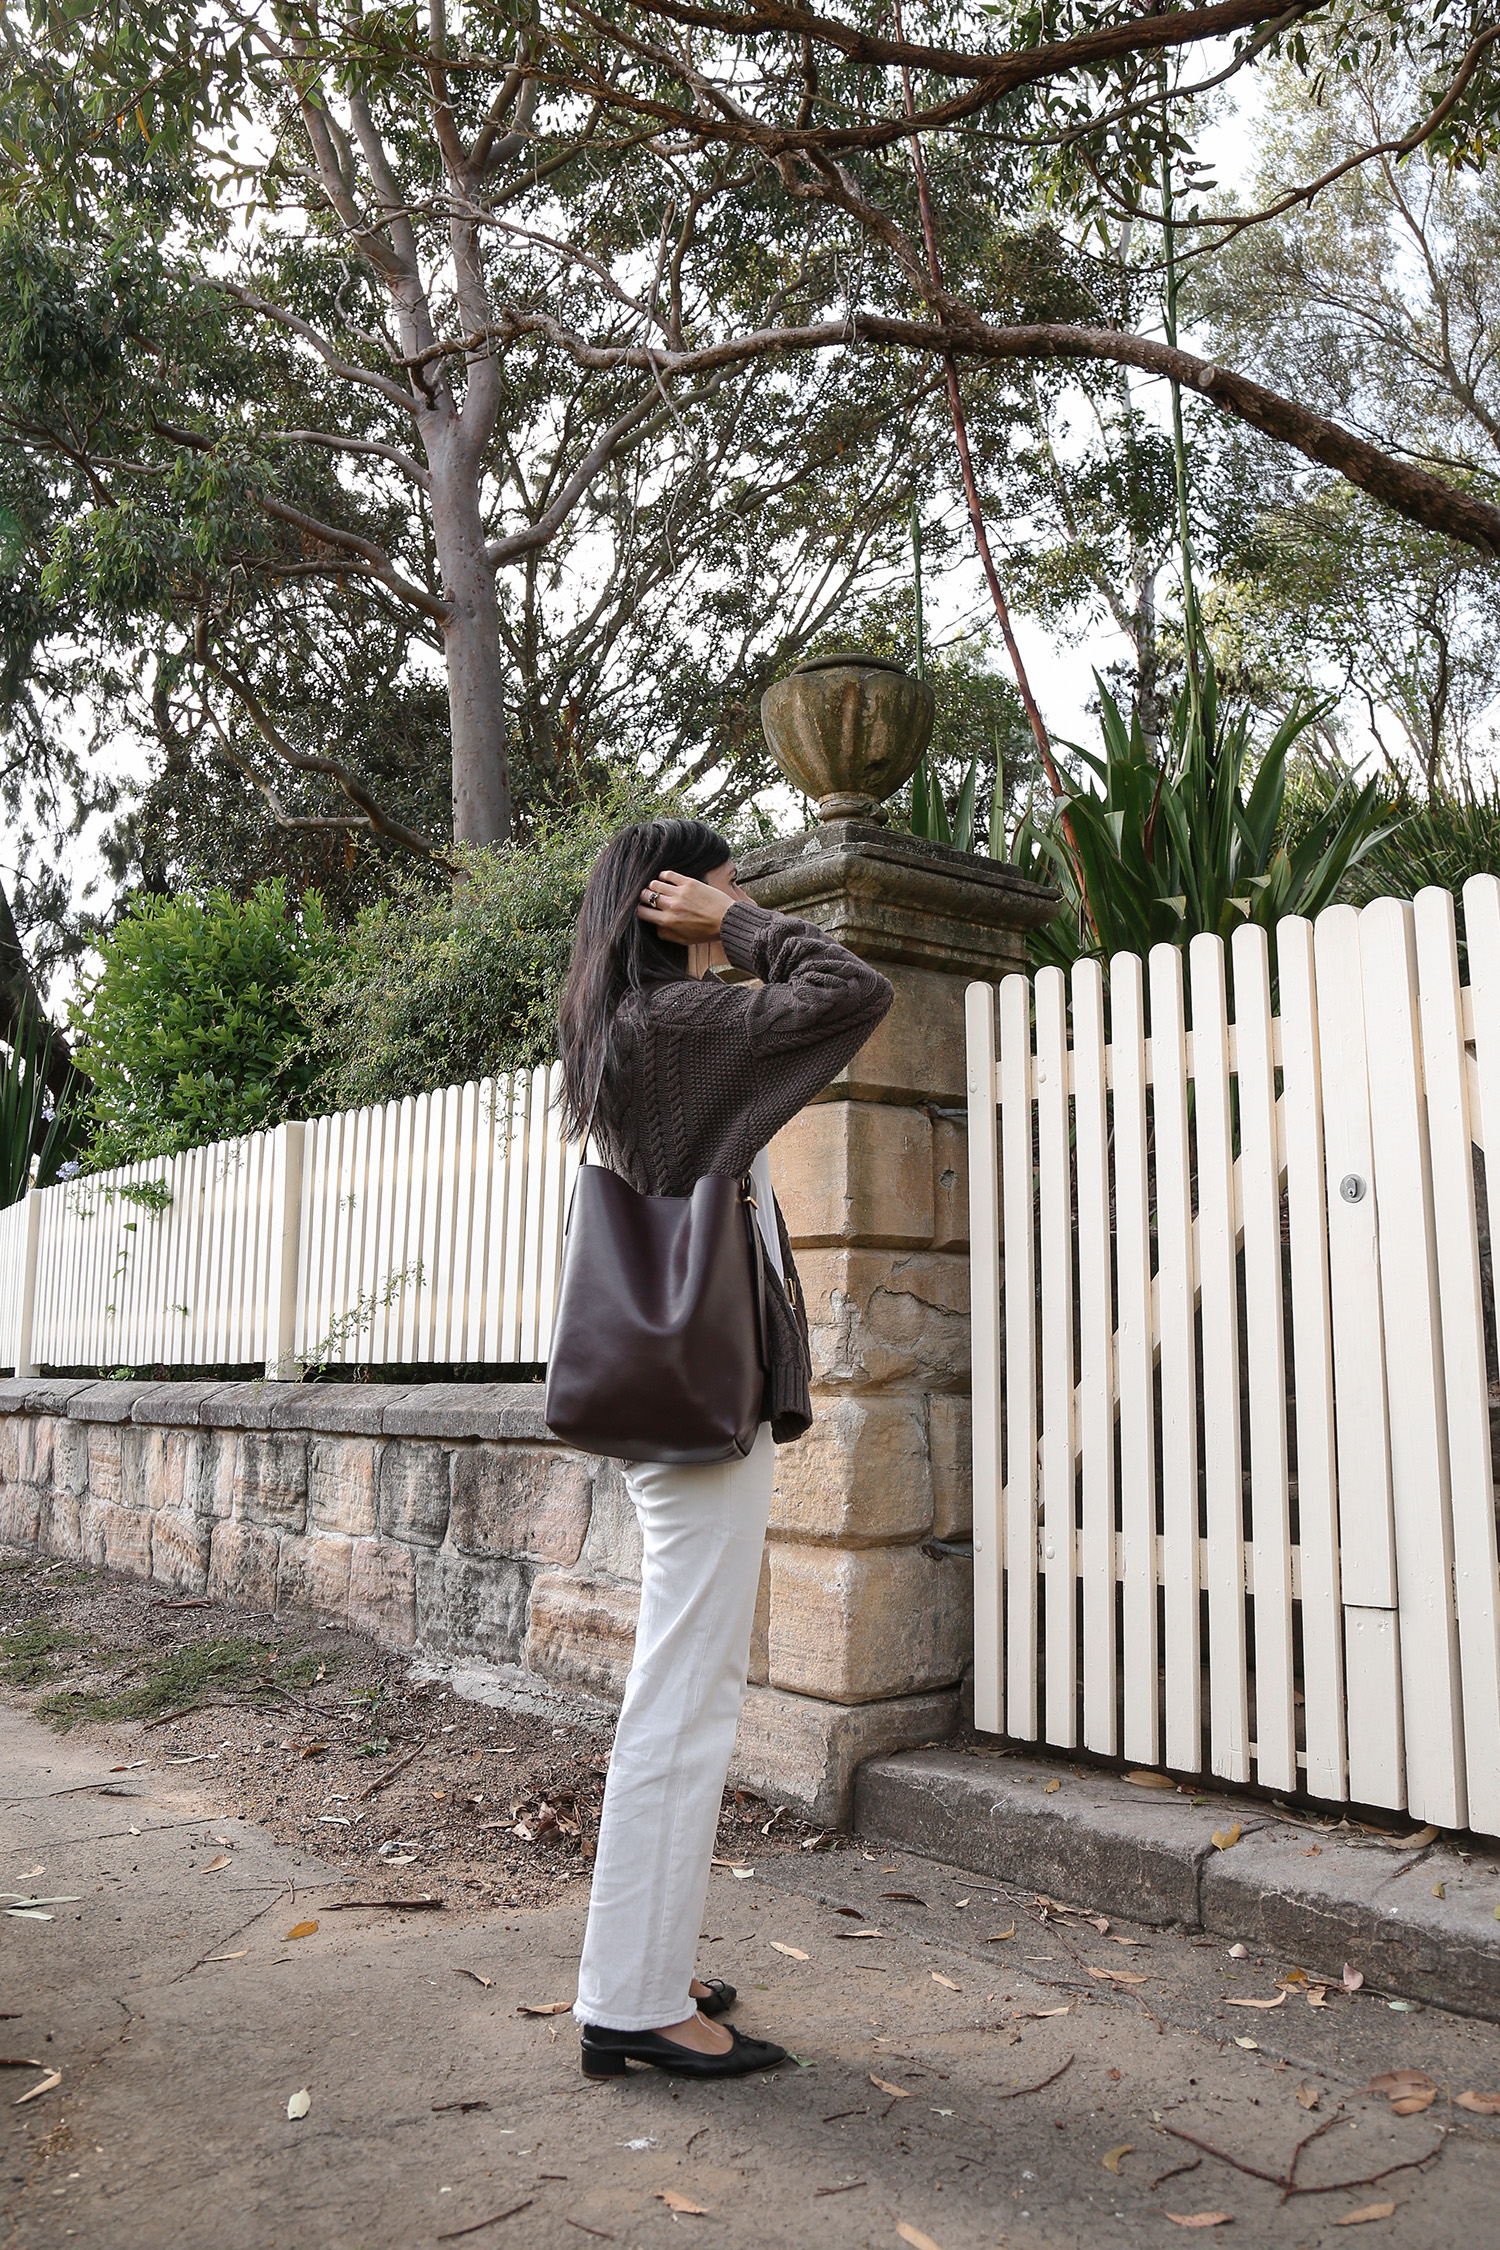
(438, 1516)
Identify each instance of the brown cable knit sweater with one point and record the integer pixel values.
(705, 1073)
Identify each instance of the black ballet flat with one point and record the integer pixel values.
(605, 2054)
(721, 1997)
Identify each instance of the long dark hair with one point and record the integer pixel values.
(615, 953)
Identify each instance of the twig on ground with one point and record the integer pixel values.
(395, 1905)
(597, 2232)
(480, 2224)
(1287, 2182)
(1017, 2091)
(1191, 2165)
(847, 2189)
(387, 1778)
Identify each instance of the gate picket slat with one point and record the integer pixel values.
(1179, 1364)
(1134, 1345)
(1366, 1514)
(1059, 1568)
(1265, 1346)
(983, 1080)
(1020, 1358)
(1435, 1778)
(1096, 1413)
(1312, 1363)
(1465, 1377)
(1228, 1691)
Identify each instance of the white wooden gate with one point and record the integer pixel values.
(1234, 1508)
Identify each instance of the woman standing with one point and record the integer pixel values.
(692, 1076)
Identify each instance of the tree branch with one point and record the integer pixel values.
(379, 561)
(1414, 493)
(994, 76)
(311, 761)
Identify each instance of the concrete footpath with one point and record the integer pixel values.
(974, 2067)
(1415, 1911)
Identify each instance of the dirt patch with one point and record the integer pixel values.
(328, 1741)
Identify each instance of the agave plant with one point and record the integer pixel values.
(1161, 850)
(929, 814)
(33, 1131)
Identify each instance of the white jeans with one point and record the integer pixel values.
(703, 1530)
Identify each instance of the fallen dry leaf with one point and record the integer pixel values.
(1438, 1890)
(1276, 2003)
(545, 2008)
(1368, 2211)
(1116, 1939)
(1307, 2095)
(1039, 2015)
(1418, 1842)
(908, 1898)
(856, 1933)
(1252, 2044)
(21, 2062)
(215, 1865)
(1412, 2105)
(1353, 1978)
(915, 2236)
(1113, 2158)
(301, 1929)
(1053, 1784)
(1317, 1996)
(1226, 1838)
(902, 2093)
(299, 2105)
(1099, 1922)
(676, 2202)
(474, 1973)
(792, 1952)
(1001, 1935)
(313, 1749)
(1151, 1780)
(1117, 1976)
(1200, 2218)
(240, 1956)
(1239, 1952)
(946, 1981)
(1482, 2105)
(1398, 2084)
(43, 2086)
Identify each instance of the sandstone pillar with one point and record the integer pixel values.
(865, 1632)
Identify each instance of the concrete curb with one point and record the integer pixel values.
(1313, 1895)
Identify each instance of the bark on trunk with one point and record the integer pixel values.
(476, 706)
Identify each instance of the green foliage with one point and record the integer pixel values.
(181, 1680)
(32, 1129)
(1160, 852)
(193, 1029)
(437, 986)
(1437, 842)
(929, 814)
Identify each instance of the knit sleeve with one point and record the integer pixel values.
(817, 1000)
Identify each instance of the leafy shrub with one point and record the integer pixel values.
(1160, 852)
(436, 986)
(37, 1134)
(193, 1029)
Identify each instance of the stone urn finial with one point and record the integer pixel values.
(847, 730)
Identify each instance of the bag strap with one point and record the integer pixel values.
(758, 1252)
(588, 1129)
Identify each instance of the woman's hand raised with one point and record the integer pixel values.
(685, 911)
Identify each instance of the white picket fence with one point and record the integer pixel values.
(426, 1230)
(1150, 1576)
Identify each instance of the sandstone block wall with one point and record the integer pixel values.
(445, 1517)
(376, 1507)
